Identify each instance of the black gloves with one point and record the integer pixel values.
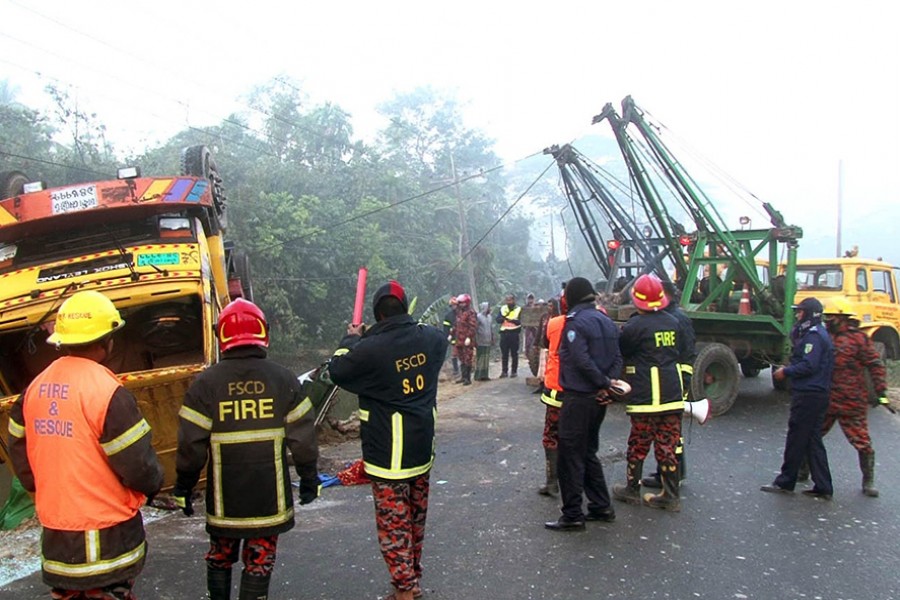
(309, 490)
(183, 501)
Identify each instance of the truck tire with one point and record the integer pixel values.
(240, 269)
(12, 183)
(197, 161)
(716, 377)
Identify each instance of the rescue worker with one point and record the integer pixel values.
(653, 349)
(551, 396)
(854, 354)
(450, 332)
(510, 325)
(687, 334)
(589, 361)
(243, 412)
(466, 329)
(393, 367)
(79, 443)
(810, 372)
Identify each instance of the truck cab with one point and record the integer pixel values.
(865, 288)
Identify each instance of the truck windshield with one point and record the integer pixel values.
(824, 278)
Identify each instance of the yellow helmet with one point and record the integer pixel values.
(84, 318)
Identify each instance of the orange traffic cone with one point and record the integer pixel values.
(744, 308)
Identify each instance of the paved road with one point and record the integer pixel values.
(486, 539)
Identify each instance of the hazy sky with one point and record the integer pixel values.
(776, 93)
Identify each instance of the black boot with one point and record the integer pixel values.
(682, 460)
(466, 375)
(551, 488)
(669, 498)
(867, 466)
(254, 587)
(218, 583)
(630, 492)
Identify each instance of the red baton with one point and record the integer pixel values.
(360, 296)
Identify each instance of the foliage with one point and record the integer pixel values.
(310, 204)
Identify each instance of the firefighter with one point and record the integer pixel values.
(244, 412)
(687, 371)
(653, 349)
(589, 361)
(466, 327)
(854, 355)
(510, 325)
(393, 367)
(79, 443)
(810, 368)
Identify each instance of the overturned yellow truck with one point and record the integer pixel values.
(154, 245)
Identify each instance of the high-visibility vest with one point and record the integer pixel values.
(555, 328)
(64, 411)
(510, 315)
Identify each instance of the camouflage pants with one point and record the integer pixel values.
(258, 554)
(854, 423)
(400, 510)
(551, 428)
(663, 431)
(466, 355)
(116, 591)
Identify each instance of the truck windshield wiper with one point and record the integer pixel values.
(129, 259)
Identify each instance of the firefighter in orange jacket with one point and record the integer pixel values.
(243, 412)
(79, 443)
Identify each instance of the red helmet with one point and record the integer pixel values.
(464, 299)
(647, 293)
(242, 323)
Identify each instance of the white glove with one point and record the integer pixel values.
(468, 342)
(619, 387)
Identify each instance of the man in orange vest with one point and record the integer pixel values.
(551, 395)
(79, 443)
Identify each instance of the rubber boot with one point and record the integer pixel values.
(466, 375)
(652, 481)
(630, 492)
(669, 498)
(218, 583)
(867, 466)
(254, 587)
(551, 488)
(682, 460)
(455, 362)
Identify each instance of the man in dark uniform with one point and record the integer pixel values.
(589, 361)
(243, 412)
(810, 369)
(393, 367)
(653, 349)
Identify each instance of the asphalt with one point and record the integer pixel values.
(486, 540)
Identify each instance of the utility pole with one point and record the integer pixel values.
(839, 205)
(464, 236)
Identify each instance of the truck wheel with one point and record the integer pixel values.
(716, 377)
(12, 183)
(197, 161)
(240, 270)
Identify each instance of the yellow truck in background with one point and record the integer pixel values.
(154, 245)
(865, 288)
